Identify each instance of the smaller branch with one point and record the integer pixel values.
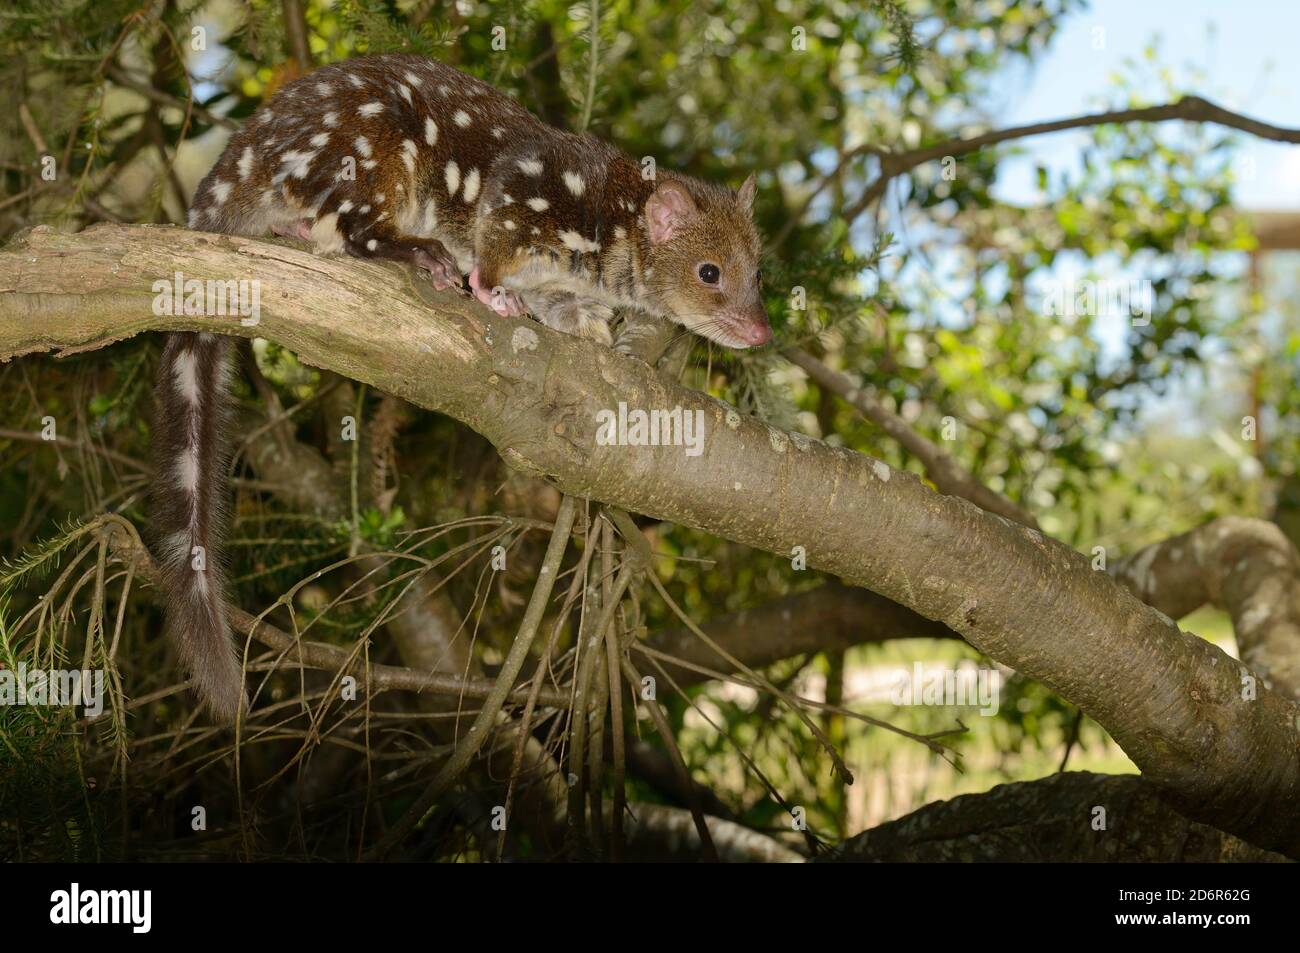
(847, 157)
(526, 719)
(679, 765)
(658, 832)
(1246, 567)
(1190, 108)
(486, 719)
(758, 680)
(295, 30)
(126, 544)
(830, 617)
(946, 473)
(120, 77)
(33, 133)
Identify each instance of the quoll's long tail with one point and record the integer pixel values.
(191, 450)
(191, 453)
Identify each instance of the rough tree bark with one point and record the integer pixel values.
(1076, 816)
(1172, 701)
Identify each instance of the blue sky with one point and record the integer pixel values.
(1246, 49)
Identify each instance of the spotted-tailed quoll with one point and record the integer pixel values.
(405, 158)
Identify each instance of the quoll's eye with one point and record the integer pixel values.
(709, 274)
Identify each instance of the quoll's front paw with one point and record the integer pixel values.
(505, 303)
(565, 312)
(595, 329)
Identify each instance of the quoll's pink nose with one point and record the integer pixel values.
(757, 334)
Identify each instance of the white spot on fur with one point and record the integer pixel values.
(220, 191)
(355, 80)
(452, 175)
(364, 210)
(187, 378)
(538, 204)
(320, 139)
(325, 233)
(430, 131)
(325, 89)
(575, 242)
(620, 232)
(471, 185)
(299, 164)
(371, 109)
(372, 244)
(363, 147)
(530, 166)
(187, 468)
(497, 132)
(331, 119)
(412, 78)
(461, 118)
(245, 165)
(345, 207)
(575, 183)
(405, 92)
(509, 225)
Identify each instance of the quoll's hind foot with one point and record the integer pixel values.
(439, 263)
(427, 253)
(505, 303)
(300, 229)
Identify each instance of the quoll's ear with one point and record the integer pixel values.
(667, 211)
(746, 194)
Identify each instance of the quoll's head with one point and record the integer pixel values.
(703, 260)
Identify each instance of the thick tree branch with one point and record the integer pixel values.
(1073, 817)
(1171, 700)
